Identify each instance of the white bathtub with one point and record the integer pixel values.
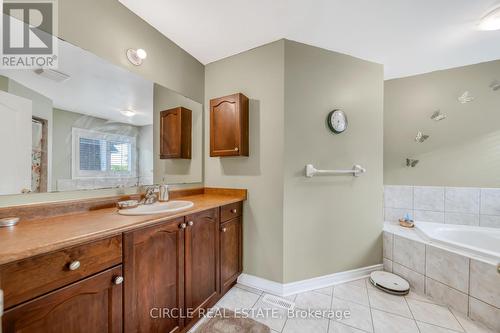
(478, 241)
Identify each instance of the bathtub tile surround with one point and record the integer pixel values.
(467, 284)
(425, 215)
(462, 200)
(490, 201)
(489, 221)
(447, 267)
(450, 205)
(484, 313)
(416, 280)
(387, 265)
(447, 295)
(398, 197)
(462, 219)
(387, 245)
(409, 253)
(428, 198)
(485, 283)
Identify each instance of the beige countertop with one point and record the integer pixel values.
(30, 238)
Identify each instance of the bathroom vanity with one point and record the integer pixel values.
(98, 271)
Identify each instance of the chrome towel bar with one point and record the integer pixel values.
(355, 171)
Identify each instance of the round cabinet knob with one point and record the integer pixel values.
(236, 148)
(182, 226)
(233, 211)
(74, 265)
(118, 280)
(190, 223)
(223, 229)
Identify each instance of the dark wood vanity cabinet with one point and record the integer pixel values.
(91, 305)
(176, 266)
(154, 277)
(231, 250)
(171, 271)
(175, 133)
(229, 126)
(202, 260)
(231, 244)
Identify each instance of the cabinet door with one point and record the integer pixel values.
(229, 126)
(202, 260)
(91, 305)
(175, 133)
(170, 133)
(153, 261)
(230, 252)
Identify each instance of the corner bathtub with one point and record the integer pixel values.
(477, 241)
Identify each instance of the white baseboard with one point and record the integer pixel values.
(285, 289)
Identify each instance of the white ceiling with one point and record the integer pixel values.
(96, 87)
(407, 36)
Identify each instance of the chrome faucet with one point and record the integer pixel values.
(150, 197)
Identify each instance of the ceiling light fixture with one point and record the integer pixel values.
(491, 21)
(136, 57)
(128, 113)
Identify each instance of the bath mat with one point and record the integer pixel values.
(230, 323)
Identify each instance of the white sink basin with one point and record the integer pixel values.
(158, 208)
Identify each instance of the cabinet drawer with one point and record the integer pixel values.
(25, 279)
(90, 305)
(230, 211)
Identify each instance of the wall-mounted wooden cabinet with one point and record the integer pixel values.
(175, 133)
(229, 126)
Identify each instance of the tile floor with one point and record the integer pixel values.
(371, 311)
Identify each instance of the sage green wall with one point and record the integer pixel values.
(298, 228)
(259, 74)
(331, 224)
(107, 29)
(4, 83)
(463, 149)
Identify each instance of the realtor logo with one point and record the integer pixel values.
(29, 34)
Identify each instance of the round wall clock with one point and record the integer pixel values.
(337, 121)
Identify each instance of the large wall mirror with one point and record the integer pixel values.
(443, 128)
(88, 125)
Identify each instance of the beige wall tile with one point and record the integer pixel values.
(428, 198)
(447, 267)
(416, 280)
(387, 265)
(409, 253)
(485, 282)
(447, 295)
(484, 313)
(398, 197)
(388, 245)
